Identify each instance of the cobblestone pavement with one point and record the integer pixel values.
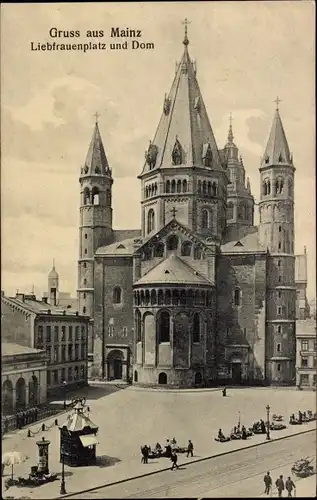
(129, 418)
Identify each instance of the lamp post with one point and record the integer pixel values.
(63, 489)
(268, 422)
(65, 392)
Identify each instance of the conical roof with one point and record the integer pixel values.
(277, 150)
(77, 421)
(184, 123)
(174, 271)
(96, 160)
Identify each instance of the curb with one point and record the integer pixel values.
(146, 474)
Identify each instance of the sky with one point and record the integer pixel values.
(247, 54)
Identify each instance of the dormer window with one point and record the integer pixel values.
(151, 155)
(167, 105)
(177, 153)
(267, 159)
(97, 170)
(86, 169)
(207, 155)
(280, 158)
(197, 104)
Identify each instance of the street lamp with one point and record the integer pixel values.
(63, 489)
(268, 422)
(65, 391)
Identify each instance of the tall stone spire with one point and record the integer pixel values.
(184, 123)
(96, 160)
(277, 150)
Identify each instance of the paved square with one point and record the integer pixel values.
(132, 417)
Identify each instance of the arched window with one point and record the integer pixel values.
(204, 219)
(172, 242)
(153, 297)
(159, 250)
(237, 297)
(135, 376)
(241, 211)
(184, 186)
(196, 328)
(160, 298)
(199, 187)
(198, 378)
(209, 189)
(146, 192)
(168, 297)
(290, 187)
(268, 187)
(264, 188)
(86, 196)
(279, 185)
(150, 220)
(95, 196)
(138, 332)
(108, 198)
(204, 187)
(279, 329)
(164, 326)
(84, 310)
(173, 186)
(197, 252)
(179, 186)
(168, 186)
(230, 211)
(214, 189)
(186, 248)
(117, 295)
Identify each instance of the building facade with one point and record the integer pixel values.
(198, 294)
(63, 334)
(23, 377)
(306, 360)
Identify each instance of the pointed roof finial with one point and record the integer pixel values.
(54, 264)
(230, 133)
(96, 115)
(277, 101)
(185, 22)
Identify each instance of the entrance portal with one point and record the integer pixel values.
(162, 378)
(236, 370)
(114, 365)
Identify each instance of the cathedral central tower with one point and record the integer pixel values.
(183, 174)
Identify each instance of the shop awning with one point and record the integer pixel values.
(88, 440)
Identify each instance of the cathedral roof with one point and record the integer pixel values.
(96, 161)
(184, 126)
(173, 271)
(277, 150)
(123, 247)
(245, 242)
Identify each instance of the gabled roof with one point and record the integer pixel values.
(96, 161)
(184, 122)
(277, 150)
(120, 248)
(78, 420)
(171, 225)
(244, 244)
(38, 307)
(173, 271)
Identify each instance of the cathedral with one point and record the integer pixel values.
(199, 295)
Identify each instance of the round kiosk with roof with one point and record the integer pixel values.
(78, 439)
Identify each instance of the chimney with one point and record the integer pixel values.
(44, 300)
(20, 296)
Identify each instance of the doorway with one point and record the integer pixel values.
(236, 370)
(115, 365)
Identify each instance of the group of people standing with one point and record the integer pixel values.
(20, 419)
(289, 485)
(170, 452)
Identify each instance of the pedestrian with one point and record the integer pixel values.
(243, 432)
(279, 485)
(289, 486)
(168, 450)
(268, 483)
(174, 461)
(190, 449)
(300, 416)
(262, 425)
(146, 454)
(224, 392)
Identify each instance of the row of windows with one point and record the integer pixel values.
(58, 334)
(55, 377)
(112, 332)
(72, 353)
(243, 212)
(164, 327)
(278, 185)
(305, 345)
(305, 364)
(92, 197)
(151, 190)
(175, 297)
(304, 379)
(186, 249)
(204, 188)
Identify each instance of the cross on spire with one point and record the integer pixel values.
(96, 115)
(230, 134)
(185, 22)
(277, 101)
(230, 119)
(173, 212)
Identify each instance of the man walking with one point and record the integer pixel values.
(174, 461)
(190, 449)
(267, 483)
(279, 485)
(289, 485)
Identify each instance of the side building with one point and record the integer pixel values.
(23, 377)
(63, 334)
(306, 361)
